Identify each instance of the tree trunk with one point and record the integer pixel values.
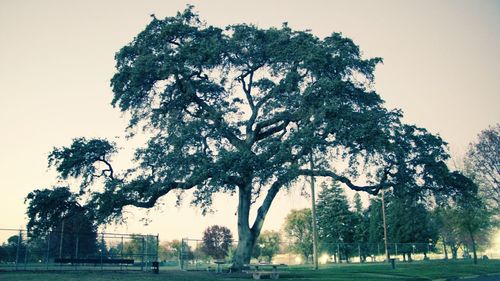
(243, 252)
(246, 237)
(473, 246)
(454, 251)
(445, 250)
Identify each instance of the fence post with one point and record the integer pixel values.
(157, 246)
(18, 245)
(76, 249)
(48, 250)
(196, 256)
(26, 250)
(359, 252)
(121, 253)
(142, 256)
(102, 249)
(181, 255)
(146, 251)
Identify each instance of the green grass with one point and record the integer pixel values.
(436, 270)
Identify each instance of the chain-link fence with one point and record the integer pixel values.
(65, 250)
(193, 257)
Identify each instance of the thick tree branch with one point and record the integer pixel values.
(279, 123)
(248, 88)
(371, 189)
(109, 169)
(219, 123)
(264, 208)
(157, 192)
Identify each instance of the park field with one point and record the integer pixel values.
(436, 270)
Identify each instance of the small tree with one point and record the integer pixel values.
(409, 222)
(55, 212)
(170, 250)
(473, 220)
(216, 241)
(483, 163)
(298, 227)
(447, 229)
(269, 244)
(361, 227)
(336, 222)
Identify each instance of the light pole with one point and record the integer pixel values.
(387, 257)
(315, 230)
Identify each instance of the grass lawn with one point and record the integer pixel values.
(436, 270)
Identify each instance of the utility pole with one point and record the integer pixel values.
(315, 230)
(61, 239)
(387, 257)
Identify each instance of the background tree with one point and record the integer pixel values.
(447, 229)
(269, 244)
(409, 223)
(241, 110)
(9, 249)
(335, 220)
(361, 227)
(376, 228)
(216, 241)
(55, 212)
(473, 220)
(298, 228)
(483, 164)
(170, 250)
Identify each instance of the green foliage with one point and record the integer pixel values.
(409, 221)
(169, 250)
(474, 221)
(47, 208)
(216, 241)
(268, 244)
(80, 159)
(55, 212)
(358, 205)
(298, 228)
(8, 250)
(376, 227)
(336, 222)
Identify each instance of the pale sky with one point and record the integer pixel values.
(441, 66)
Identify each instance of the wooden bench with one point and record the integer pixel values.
(94, 261)
(260, 270)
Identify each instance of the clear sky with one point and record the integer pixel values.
(441, 66)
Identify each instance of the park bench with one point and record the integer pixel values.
(94, 261)
(261, 270)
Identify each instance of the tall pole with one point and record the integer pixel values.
(387, 257)
(315, 230)
(19, 241)
(61, 239)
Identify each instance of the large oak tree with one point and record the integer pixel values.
(244, 110)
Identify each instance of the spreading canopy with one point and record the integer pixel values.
(244, 110)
